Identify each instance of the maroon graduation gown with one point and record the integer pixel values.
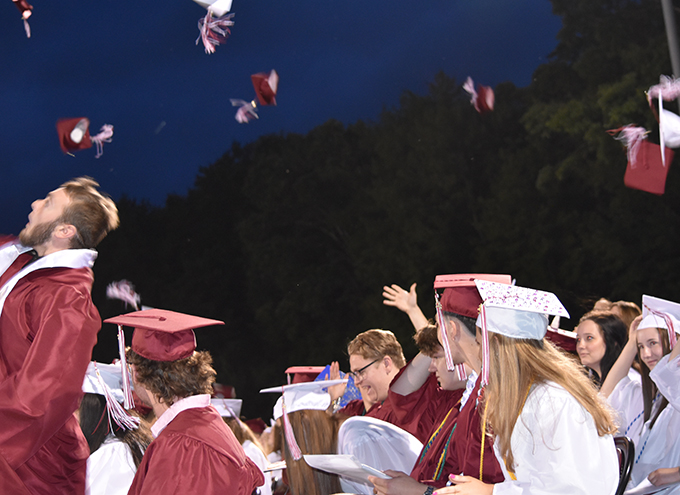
(196, 453)
(48, 328)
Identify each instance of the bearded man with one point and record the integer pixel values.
(48, 327)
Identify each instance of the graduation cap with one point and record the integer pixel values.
(564, 339)
(266, 86)
(303, 373)
(461, 297)
(160, 335)
(482, 99)
(661, 313)
(214, 27)
(646, 170)
(107, 380)
(298, 397)
(667, 89)
(515, 312)
(228, 408)
(26, 10)
(74, 135)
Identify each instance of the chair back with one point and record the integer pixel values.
(625, 448)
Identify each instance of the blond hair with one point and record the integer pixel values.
(92, 214)
(515, 365)
(376, 344)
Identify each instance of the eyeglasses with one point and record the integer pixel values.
(361, 372)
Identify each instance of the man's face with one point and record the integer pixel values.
(371, 377)
(448, 380)
(456, 352)
(44, 217)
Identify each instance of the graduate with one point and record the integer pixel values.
(552, 433)
(193, 451)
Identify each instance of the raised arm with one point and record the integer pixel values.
(622, 365)
(406, 302)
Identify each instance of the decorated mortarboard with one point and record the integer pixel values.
(159, 335)
(661, 313)
(214, 27)
(74, 135)
(351, 391)
(26, 10)
(460, 296)
(107, 380)
(515, 312)
(646, 170)
(482, 98)
(228, 408)
(298, 397)
(303, 373)
(266, 86)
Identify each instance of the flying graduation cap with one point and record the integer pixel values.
(74, 135)
(482, 99)
(26, 10)
(266, 86)
(214, 27)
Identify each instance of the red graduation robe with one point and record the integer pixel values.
(48, 327)
(196, 453)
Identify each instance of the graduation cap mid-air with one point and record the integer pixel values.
(266, 86)
(214, 27)
(74, 135)
(482, 99)
(26, 10)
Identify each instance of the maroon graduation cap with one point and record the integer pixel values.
(647, 172)
(74, 135)
(482, 98)
(266, 86)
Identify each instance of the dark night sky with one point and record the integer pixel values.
(135, 65)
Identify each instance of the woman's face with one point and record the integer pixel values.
(649, 346)
(590, 345)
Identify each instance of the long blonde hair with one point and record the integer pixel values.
(316, 432)
(515, 365)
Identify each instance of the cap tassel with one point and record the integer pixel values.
(631, 136)
(117, 413)
(247, 110)
(288, 432)
(450, 365)
(128, 402)
(214, 31)
(125, 291)
(672, 339)
(27, 28)
(485, 350)
(104, 136)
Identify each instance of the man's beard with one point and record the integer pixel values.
(39, 234)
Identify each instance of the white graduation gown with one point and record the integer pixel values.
(377, 444)
(659, 447)
(257, 456)
(110, 469)
(626, 400)
(557, 449)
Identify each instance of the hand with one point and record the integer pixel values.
(632, 331)
(664, 476)
(400, 299)
(399, 484)
(336, 390)
(465, 485)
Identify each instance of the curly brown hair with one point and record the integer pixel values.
(426, 340)
(169, 381)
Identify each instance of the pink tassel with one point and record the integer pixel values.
(124, 291)
(214, 31)
(450, 365)
(128, 402)
(104, 136)
(288, 432)
(485, 351)
(247, 110)
(469, 86)
(27, 28)
(667, 89)
(117, 413)
(631, 136)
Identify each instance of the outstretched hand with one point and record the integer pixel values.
(399, 298)
(336, 390)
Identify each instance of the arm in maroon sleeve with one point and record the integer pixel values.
(42, 390)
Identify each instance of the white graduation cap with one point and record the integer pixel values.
(216, 7)
(661, 313)
(228, 408)
(515, 312)
(297, 397)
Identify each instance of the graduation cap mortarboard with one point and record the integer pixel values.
(647, 172)
(266, 87)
